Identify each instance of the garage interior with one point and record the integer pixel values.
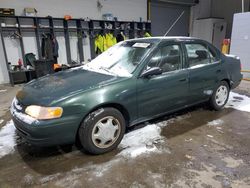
(195, 147)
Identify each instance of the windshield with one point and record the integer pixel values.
(121, 59)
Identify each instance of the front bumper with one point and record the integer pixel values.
(47, 132)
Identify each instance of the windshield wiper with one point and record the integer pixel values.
(107, 70)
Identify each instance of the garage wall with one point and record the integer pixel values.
(214, 8)
(123, 10)
(82, 8)
(201, 10)
(226, 10)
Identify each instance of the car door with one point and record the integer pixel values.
(161, 93)
(204, 67)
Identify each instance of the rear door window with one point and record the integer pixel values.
(197, 55)
(200, 54)
(214, 57)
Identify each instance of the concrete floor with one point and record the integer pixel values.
(193, 153)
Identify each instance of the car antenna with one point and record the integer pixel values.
(179, 17)
(174, 23)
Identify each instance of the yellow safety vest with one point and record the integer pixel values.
(147, 34)
(99, 43)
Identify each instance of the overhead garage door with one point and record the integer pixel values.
(164, 14)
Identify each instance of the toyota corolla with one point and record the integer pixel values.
(132, 82)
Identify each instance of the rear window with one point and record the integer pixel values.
(200, 54)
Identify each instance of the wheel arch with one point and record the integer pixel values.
(228, 82)
(117, 106)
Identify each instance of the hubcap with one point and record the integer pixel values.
(221, 95)
(105, 132)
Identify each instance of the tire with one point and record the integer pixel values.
(102, 131)
(218, 101)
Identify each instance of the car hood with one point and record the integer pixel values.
(52, 88)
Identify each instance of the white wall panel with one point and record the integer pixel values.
(13, 50)
(29, 42)
(62, 59)
(73, 46)
(122, 9)
(240, 40)
(4, 78)
(86, 49)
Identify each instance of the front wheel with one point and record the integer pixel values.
(102, 130)
(220, 96)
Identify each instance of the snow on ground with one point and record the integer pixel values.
(134, 143)
(143, 140)
(3, 90)
(100, 169)
(140, 141)
(238, 102)
(7, 139)
(216, 122)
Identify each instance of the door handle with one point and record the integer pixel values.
(218, 71)
(183, 80)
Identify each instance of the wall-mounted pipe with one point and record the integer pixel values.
(243, 5)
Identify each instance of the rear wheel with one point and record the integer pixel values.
(220, 96)
(102, 130)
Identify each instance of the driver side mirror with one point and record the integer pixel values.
(151, 72)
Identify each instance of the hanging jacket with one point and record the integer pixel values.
(99, 43)
(120, 37)
(106, 41)
(147, 34)
(48, 49)
(110, 40)
(102, 43)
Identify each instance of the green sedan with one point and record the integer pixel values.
(132, 82)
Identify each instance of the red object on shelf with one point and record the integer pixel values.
(67, 17)
(20, 63)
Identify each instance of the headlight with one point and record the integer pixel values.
(42, 113)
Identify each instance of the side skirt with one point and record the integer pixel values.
(166, 113)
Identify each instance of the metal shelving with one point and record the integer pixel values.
(39, 25)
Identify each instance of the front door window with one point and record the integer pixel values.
(168, 58)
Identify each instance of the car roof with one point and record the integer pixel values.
(172, 38)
